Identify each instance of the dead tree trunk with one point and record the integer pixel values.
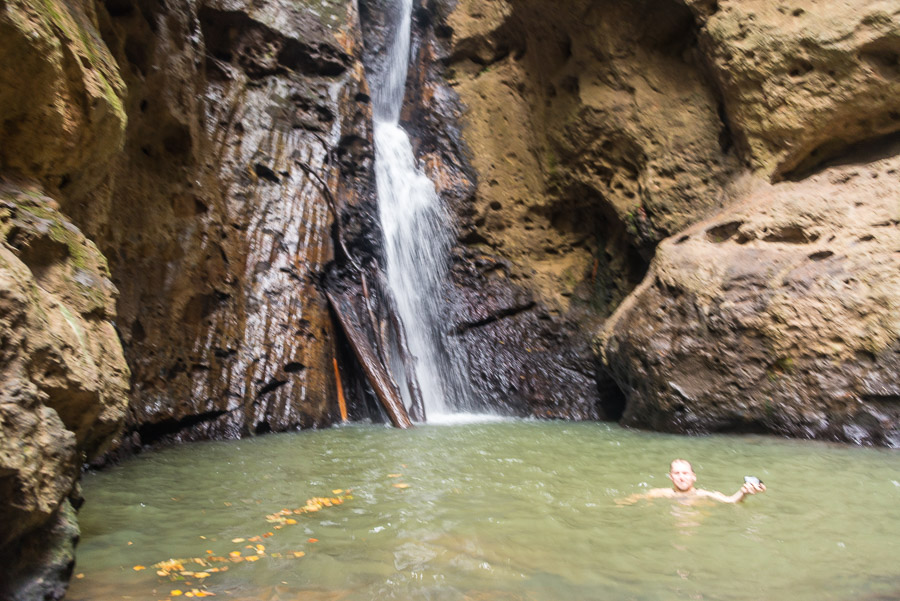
(375, 371)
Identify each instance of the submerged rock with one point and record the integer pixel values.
(781, 314)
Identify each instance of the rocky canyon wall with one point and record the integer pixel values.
(170, 175)
(592, 131)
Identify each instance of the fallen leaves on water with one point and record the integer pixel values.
(312, 505)
(175, 570)
(401, 485)
(394, 475)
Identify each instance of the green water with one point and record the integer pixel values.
(498, 511)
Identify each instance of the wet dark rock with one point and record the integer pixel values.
(249, 125)
(40, 566)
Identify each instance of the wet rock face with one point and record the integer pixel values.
(520, 356)
(63, 384)
(246, 119)
(594, 133)
(211, 206)
(802, 80)
(778, 315)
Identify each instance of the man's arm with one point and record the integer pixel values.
(746, 489)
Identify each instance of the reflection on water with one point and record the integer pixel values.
(499, 511)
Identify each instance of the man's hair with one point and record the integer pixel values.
(674, 461)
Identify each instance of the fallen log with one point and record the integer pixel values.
(376, 373)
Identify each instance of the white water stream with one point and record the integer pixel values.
(416, 235)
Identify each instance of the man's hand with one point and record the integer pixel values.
(752, 489)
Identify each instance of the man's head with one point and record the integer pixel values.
(682, 475)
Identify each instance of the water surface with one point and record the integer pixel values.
(498, 511)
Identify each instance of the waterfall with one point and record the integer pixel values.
(416, 236)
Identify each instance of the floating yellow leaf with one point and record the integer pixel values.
(337, 491)
(238, 540)
(290, 521)
(79, 576)
(401, 485)
(139, 568)
(175, 593)
(252, 558)
(209, 551)
(162, 573)
(201, 575)
(394, 475)
(312, 540)
(299, 553)
(235, 554)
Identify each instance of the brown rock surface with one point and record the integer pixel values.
(593, 134)
(61, 98)
(63, 377)
(217, 233)
(781, 314)
(802, 80)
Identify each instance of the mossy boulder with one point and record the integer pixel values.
(63, 377)
(61, 97)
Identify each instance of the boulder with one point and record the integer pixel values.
(781, 314)
(803, 80)
(63, 382)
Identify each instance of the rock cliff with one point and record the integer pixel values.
(169, 176)
(781, 314)
(710, 185)
(594, 130)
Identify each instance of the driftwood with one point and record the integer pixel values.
(375, 362)
(376, 372)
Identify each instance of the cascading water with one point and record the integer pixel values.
(417, 240)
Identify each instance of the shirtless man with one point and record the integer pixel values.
(683, 478)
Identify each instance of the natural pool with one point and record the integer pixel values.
(496, 511)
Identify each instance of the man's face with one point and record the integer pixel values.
(682, 475)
